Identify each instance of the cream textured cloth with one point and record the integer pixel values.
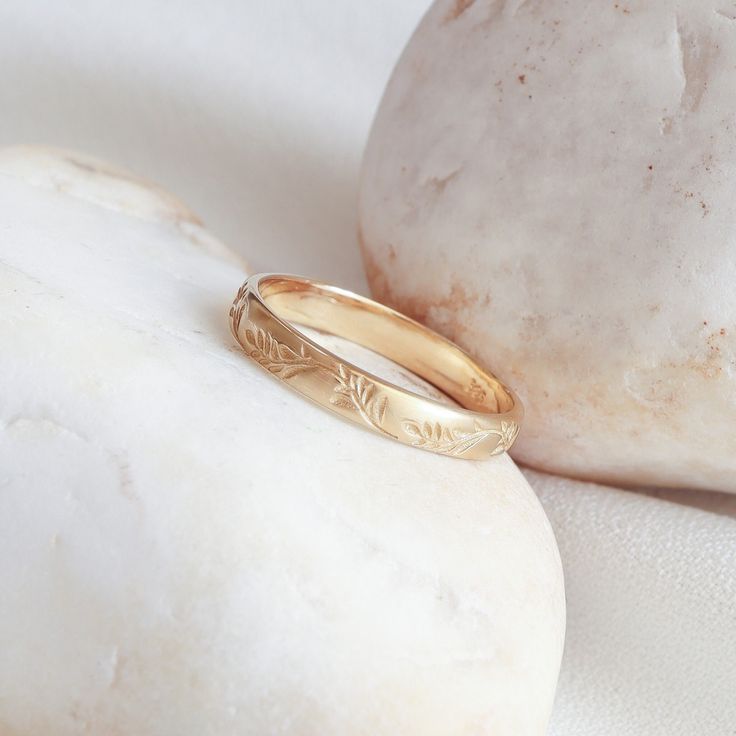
(651, 590)
(256, 113)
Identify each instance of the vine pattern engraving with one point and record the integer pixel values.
(239, 307)
(355, 392)
(508, 434)
(453, 441)
(352, 390)
(277, 357)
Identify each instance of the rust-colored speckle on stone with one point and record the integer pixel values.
(709, 364)
(442, 313)
(458, 8)
(438, 183)
(377, 281)
(522, 78)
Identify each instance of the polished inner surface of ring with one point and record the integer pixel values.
(263, 319)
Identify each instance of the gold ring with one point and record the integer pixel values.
(262, 320)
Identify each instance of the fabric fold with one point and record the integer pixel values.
(651, 632)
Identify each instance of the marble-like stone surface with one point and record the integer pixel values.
(186, 547)
(551, 185)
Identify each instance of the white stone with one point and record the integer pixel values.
(551, 185)
(187, 547)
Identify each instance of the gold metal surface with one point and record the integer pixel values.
(263, 318)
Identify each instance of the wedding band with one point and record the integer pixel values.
(263, 318)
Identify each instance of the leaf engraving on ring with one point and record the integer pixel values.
(354, 391)
(277, 357)
(239, 307)
(452, 441)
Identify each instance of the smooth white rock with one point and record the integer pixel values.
(551, 185)
(187, 547)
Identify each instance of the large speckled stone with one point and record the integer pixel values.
(551, 184)
(189, 548)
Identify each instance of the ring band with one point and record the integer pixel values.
(262, 320)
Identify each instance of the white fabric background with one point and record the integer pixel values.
(256, 113)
